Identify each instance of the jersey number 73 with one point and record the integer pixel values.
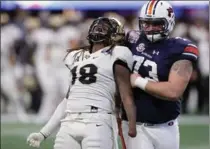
(141, 61)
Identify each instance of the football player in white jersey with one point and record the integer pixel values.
(88, 111)
(10, 33)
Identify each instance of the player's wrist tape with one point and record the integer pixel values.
(141, 83)
(45, 137)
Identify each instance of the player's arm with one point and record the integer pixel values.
(173, 89)
(122, 77)
(60, 110)
(179, 77)
(34, 139)
(57, 116)
(55, 119)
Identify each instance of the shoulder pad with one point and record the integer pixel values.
(69, 59)
(124, 54)
(188, 50)
(183, 42)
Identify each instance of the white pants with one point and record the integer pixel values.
(161, 136)
(86, 131)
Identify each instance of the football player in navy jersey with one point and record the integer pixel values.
(161, 72)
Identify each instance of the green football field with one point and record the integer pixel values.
(13, 136)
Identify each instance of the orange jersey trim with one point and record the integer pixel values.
(193, 50)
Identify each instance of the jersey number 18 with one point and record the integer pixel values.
(87, 74)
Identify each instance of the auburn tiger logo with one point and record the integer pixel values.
(170, 11)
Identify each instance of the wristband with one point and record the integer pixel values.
(45, 137)
(141, 83)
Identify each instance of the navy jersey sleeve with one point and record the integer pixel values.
(131, 38)
(187, 50)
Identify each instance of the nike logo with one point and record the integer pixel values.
(98, 125)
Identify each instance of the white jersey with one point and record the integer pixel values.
(93, 82)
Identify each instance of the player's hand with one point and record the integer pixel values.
(34, 139)
(132, 130)
(133, 78)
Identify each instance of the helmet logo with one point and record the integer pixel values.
(140, 47)
(170, 11)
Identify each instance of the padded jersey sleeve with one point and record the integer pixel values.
(123, 54)
(188, 50)
(69, 59)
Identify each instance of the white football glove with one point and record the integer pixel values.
(34, 139)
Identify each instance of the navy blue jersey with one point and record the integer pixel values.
(153, 61)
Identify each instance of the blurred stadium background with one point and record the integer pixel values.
(34, 39)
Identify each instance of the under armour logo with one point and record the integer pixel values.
(98, 125)
(155, 52)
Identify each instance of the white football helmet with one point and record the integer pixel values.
(156, 19)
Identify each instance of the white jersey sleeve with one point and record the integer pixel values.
(124, 54)
(69, 60)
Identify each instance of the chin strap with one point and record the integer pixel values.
(153, 38)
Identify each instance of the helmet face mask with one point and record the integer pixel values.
(100, 30)
(106, 31)
(153, 26)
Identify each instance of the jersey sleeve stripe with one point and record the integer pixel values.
(191, 49)
(190, 54)
(192, 45)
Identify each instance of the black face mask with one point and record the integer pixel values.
(100, 30)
